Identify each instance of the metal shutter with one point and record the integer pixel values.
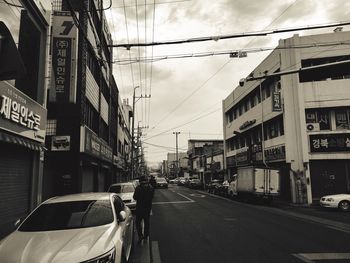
(15, 185)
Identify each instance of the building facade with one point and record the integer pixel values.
(84, 152)
(24, 48)
(202, 160)
(297, 122)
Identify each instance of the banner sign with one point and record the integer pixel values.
(95, 146)
(276, 101)
(64, 58)
(20, 114)
(337, 142)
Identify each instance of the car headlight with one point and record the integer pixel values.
(330, 199)
(108, 257)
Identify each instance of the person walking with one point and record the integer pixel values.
(143, 195)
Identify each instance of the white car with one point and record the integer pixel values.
(86, 228)
(341, 201)
(126, 193)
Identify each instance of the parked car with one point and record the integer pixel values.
(161, 182)
(181, 181)
(88, 227)
(126, 192)
(340, 201)
(196, 184)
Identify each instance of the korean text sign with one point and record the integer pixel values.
(330, 142)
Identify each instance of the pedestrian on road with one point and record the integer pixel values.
(143, 195)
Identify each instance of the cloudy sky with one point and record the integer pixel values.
(187, 93)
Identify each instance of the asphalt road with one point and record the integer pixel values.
(192, 226)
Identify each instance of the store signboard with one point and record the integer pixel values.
(95, 146)
(275, 153)
(20, 114)
(64, 58)
(60, 143)
(335, 142)
(276, 101)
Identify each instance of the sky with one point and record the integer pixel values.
(187, 93)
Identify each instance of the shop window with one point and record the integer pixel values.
(342, 119)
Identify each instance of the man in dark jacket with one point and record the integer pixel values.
(143, 196)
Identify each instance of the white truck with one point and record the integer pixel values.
(253, 182)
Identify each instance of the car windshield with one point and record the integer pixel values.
(122, 188)
(69, 215)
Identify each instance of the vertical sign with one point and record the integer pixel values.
(276, 101)
(64, 58)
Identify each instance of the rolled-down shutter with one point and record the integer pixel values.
(15, 186)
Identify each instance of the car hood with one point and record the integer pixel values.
(338, 196)
(75, 245)
(126, 196)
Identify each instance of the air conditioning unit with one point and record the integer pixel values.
(313, 126)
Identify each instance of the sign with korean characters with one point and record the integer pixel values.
(276, 101)
(95, 146)
(20, 114)
(64, 58)
(339, 142)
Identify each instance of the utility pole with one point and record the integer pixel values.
(177, 154)
(132, 133)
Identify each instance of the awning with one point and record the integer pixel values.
(32, 145)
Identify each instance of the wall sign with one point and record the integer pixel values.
(64, 58)
(20, 114)
(95, 146)
(60, 143)
(339, 142)
(276, 101)
(247, 124)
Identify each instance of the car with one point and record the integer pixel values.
(340, 201)
(181, 181)
(87, 227)
(126, 192)
(161, 182)
(196, 184)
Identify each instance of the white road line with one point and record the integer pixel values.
(310, 257)
(155, 252)
(176, 202)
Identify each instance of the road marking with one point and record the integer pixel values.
(310, 257)
(155, 252)
(176, 202)
(197, 195)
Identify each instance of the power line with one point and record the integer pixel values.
(237, 35)
(229, 52)
(159, 3)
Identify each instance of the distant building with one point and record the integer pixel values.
(172, 164)
(299, 123)
(202, 159)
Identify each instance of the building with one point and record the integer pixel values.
(297, 122)
(202, 159)
(84, 108)
(24, 48)
(176, 168)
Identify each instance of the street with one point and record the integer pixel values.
(193, 226)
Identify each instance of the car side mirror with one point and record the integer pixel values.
(122, 216)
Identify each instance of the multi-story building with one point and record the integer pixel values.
(24, 48)
(300, 122)
(198, 152)
(176, 167)
(83, 109)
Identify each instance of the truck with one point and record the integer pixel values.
(255, 182)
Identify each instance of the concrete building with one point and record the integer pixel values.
(173, 164)
(24, 49)
(85, 117)
(297, 122)
(202, 155)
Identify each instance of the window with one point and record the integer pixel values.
(252, 101)
(51, 127)
(342, 119)
(321, 116)
(69, 215)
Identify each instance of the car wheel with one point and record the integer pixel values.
(344, 205)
